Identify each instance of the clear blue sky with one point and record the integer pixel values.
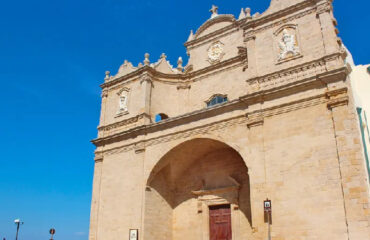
(53, 55)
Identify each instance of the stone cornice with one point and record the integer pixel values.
(292, 75)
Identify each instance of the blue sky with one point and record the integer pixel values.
(53, 55)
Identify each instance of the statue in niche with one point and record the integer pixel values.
(123, 102)
(288, 45)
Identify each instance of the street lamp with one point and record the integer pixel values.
(18, 223)
(52, 232)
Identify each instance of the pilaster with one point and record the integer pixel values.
(250, 39)
(147, 84)
(356, 200)
(257, 172)
(104, 96)
(327, 21)
(94, 214)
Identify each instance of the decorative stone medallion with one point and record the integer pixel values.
(215, 52)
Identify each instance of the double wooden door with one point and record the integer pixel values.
(220, 222)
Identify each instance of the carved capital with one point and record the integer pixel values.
(146, 78)
(337, 102)
(323, 8)
(104, 94)
(336, 92)
(139, 148)
(183, 86)
(98, 157)
(255, 120)
(249, 36)
(337, 97)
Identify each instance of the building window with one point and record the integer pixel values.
(217, 99)
(160, 116)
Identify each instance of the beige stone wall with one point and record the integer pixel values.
(292, 159)
(289, 125)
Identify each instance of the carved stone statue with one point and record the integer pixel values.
(123, 102)
(288, 45)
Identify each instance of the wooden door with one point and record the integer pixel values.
(220, 222)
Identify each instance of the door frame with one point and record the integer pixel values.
(214, 197)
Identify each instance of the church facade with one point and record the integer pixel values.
(263, 110)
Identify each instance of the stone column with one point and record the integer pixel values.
(352, 168)
(94, 214)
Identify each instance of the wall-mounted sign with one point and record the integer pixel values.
(267, 205)
(134, 234)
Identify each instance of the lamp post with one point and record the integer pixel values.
(52, 232)
(18, 223)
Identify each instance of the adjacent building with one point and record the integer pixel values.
(360, 82)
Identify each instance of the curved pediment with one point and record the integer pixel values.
(214, 24)
(125, 68)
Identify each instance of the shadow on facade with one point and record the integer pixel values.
(191, 177)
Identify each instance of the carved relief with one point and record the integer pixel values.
(215, 52)
(287, 43)
(123, 101)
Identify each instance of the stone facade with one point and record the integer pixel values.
(288, 132)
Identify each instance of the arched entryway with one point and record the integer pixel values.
(192, 187)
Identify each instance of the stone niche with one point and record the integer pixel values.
(187, 181)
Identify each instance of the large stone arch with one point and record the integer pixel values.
(192, 176)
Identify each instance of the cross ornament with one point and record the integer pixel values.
(214, 11)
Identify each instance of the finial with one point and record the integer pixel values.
(179, 64)
(214, 11)
(107, 75)
(191, 36)
(163, 56)
(125, 62)
(248, 13)
(140, 65)
(146, 60)
(242, 14)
